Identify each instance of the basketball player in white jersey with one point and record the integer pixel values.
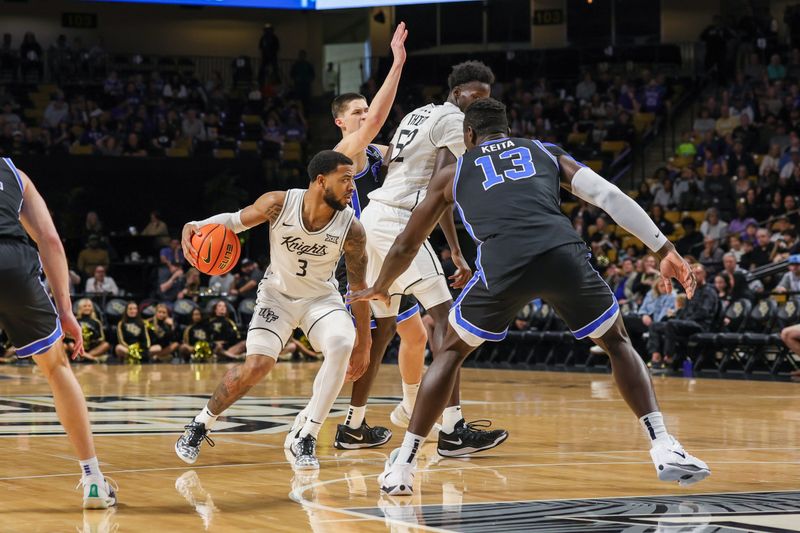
(427, 139)
(360, 123)
(309, 231)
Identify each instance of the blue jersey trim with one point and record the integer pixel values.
(356, 203)
(15, 171)
(42, 345)
(494, 141)
(405, 315)
(546, 151)
(467, 225)
(592, 326)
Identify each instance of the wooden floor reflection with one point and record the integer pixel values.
(571, 437)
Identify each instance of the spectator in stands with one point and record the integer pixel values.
(692, 239)
(696, 316)
(737, 278)
(645, 277)
(586, 88)
(712, 227)
(763, 251)
(776, 71)
(8, 116)
(723, 288)
(247, 280)
(740, 158)
(196, 343)
(221, 285)
(739, 223)
(711, 256)
(133, 147)
(172, 253)
(55, 112)
(654, 308)
(746, 133)
(790, 281)
(726, 123)
(191, 126)
(770, 162)
(175, 89)
(788, 168)
(170, 282)
(269, 45)
(163, 138)
(62, 139)
(665, 195)
(622, 129)
(31, 55)
(653, 95)
(704, 123)
(162, 334)
(101, 284)
(92, 256)
(191, 285)
(272, 137)
(92, 134)
(224, 334)
(108, 146)
(132, 336)
(113, 86)
(302, 74)
(155, 227)
(754, 70)
(294, 125)
(96, 347)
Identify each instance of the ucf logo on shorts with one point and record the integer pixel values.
(268, 315)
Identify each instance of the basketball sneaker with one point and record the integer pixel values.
(401, 417)
(397, 479)
(673, 463)
(98, 495)
(467, 438)
(188, 445)
(305, 453)
(297, 425)
(348, 438)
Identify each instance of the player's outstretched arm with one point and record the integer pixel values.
(36, 220)
(381, 105)
(422, 222)
(587, 185)
(266, 209)
(445, 157)
(355, 258)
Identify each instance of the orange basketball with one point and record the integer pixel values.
(217, 249)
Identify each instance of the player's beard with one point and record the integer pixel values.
(332, 201)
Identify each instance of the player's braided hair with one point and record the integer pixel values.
(469, 71)
(486, 116)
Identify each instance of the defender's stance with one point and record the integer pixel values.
(507, 191)
(34, 325)
(309, 231)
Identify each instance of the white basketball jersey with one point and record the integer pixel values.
(302, 262)
(413, 156)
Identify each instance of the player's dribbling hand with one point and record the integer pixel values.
(368, 294)
(71, 329)
(189, 252)
(463, 272)
(398, 43)
(675, 266)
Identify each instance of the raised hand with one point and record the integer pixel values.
(398, 43)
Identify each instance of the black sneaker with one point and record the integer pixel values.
(188, 446)
(467, 438)
(348, 438)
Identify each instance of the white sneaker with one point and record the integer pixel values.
(673, 463)
(397, 479)
(305, 453)
(297, 425)
(98, 495)
(401, 417)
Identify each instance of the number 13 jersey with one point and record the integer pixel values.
(303, 262)
(413, 154)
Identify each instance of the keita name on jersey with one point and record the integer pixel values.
(296, 245)
(497, 147)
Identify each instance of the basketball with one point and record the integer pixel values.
(217, 249)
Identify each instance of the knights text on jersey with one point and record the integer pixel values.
(302, 262)
(420, 134)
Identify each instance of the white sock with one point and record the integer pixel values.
(311, 427)
(450, 417)
(91, 469)
(355, 416)
(410, 396)
(653, 425)
(206, 417)
(409, 448)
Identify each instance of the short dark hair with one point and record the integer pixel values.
(486, 116)
(326, 162)
(469, 71)
(341, 102)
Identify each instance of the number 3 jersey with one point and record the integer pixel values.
(507, 193)
(413, 154)
(303, 262)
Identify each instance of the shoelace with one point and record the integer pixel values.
(307, 445)
(475, 425)
(197, 436)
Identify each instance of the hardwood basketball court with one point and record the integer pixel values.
(576, 459)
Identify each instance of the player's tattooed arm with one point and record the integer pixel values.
(355, 257)
(267, 208)
(234, 385)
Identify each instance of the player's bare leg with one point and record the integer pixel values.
(411, 360)
(672, 462)
(74, 416)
